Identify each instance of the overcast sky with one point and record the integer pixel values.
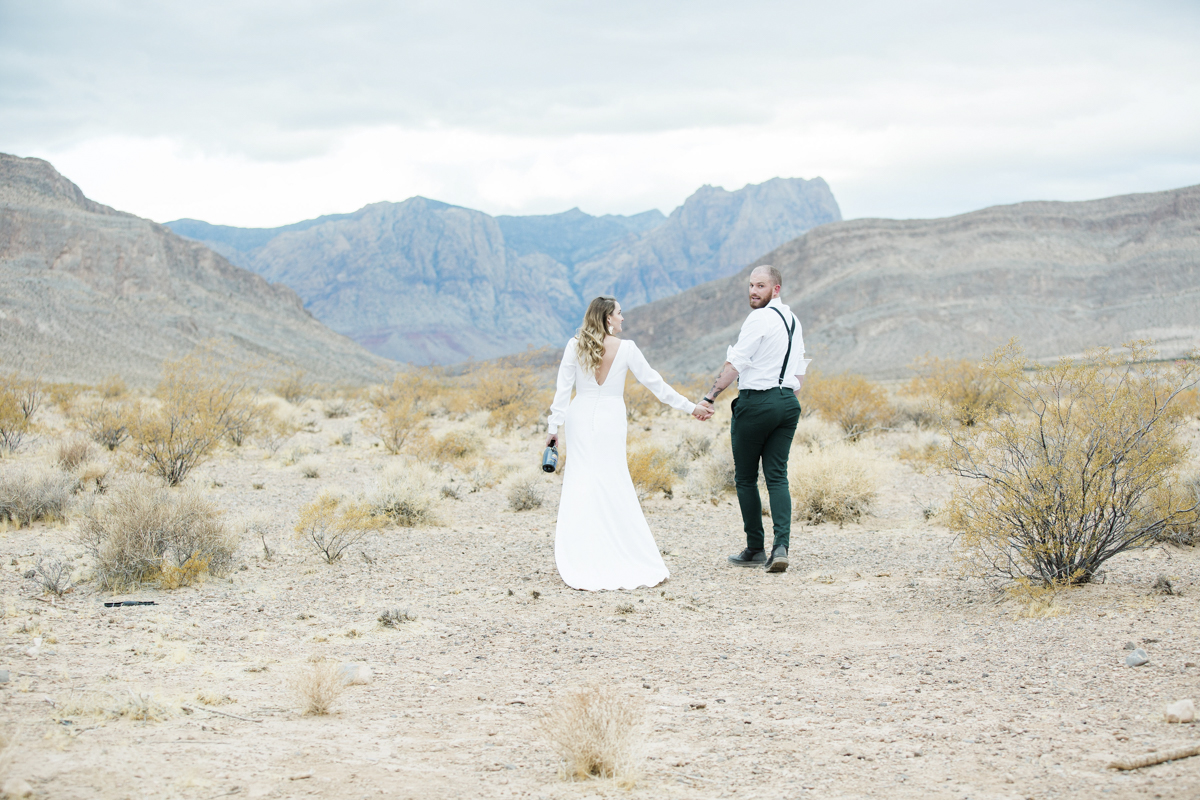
(263, 113)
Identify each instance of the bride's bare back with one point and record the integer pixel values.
(611, 345)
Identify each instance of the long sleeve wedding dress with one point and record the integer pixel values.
(602, 540)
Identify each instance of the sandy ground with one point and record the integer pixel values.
(870, 668)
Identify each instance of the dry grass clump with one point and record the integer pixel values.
(652, 469)
(597, 732)
(136, 706)
(30, 494)
(337, 408)
(924, 452)
(331, 524)
(813, 432)
(457, 445)
(318, 686)
(202, 400)
(525, 492)
(692, 444)
(1051, 490)
(310, 468)
(74, 451)
(711, 477)
(404, 495)
(966, 391)
(395, 617)
(851, 401)
(832, 485)
(145, 533)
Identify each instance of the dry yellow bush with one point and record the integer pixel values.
(73, 452)
(923, 452)
(1051, 493)
(457, 444)
(106, 421)
(425, 388)
(967, 392)
(597, 732)
(399, 424)
(513, 395)
(331, 524)
(146, 533)
(851, 401)
(128, 704)
(404, 495)
(112, 387)
(836, 484)
(202, 398)
(652, 469)
(20, 399)
(318, 686)
(292, 385)
(1178, 500)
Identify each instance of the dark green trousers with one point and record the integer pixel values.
(763, 425)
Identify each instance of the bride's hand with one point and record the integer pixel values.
(552, 440)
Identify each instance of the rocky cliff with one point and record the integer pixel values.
(873, 295)
(87, 291)
(424, 281)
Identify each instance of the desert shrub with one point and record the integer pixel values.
(691, 445)
(147, 533)
(318, 686)
(711, 477)
(399, 422)
(813, 432)
(30, 494)
(336, 408)
(851, 401)
(53, 573)
(513, 395)
(923, 452)
(275, 427)
(73, 452)
(331, 524)
(640, 402)
(652, 470)
(112, 387)
(966, 392)
(426, 388)
(597, 732)
(395, 617)
(1171, 500)
(832, 485)
(131, 705)
(310, 468)
(922, 412)
(107, 422)
(20, 399)
(292, 385)
(404, 495)
(202, 398)
(63, 395)
(1051, 490)
(457, 444)
(525, 493)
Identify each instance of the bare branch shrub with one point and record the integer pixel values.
(513, 395)
(832, 485)
(525, 493)
(397, 424)
(966, 391)
(640, 402)
(1051, 493)
(597, 732)
(146, 533)
(711, 477)
(53, 573)
(318, 686)
(107, 422)
(19, 399)
(652, 470)
(293, 385)
(404, 495)
(73, 452)
(30, 494)
(851, 401)
(112, 387)
(331, 524)
(202, 397)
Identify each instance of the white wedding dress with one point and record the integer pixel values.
(602, 540)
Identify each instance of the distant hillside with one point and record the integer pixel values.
(428, 282)
(873, 295)
(87, 291)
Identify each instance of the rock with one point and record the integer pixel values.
(1130, 646)
(15, 787)
(4, 677)
(355, 674)
(1181, 711)
(1137, 658)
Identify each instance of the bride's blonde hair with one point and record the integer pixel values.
(589, 346)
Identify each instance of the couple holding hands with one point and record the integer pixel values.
(602, 540)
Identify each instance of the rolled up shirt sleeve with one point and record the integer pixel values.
(740, 353)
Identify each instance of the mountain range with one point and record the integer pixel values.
(87, 291)
(427, 282)
(874, 295)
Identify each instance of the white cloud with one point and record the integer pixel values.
(266, 113)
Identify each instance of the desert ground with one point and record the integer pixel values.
(873, 667)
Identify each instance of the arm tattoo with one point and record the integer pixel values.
(714, 391)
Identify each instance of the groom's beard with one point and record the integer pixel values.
(760, 302)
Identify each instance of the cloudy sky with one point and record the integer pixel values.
(261, 113)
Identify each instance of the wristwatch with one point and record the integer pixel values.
(709, 400)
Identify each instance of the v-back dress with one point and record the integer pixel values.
(602, 540)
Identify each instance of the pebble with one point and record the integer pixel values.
(1181, 711)
(15, 787)
(356, 674)
(1130, 646)
(1137, 658)
(4, 677)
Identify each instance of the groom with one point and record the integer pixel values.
(768, 363)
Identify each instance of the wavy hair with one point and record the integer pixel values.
(589, 347)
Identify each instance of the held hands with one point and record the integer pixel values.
(703, 411)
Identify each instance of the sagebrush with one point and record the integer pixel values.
(331, 524)
(851, 401)
(835, 484)
(596, 732)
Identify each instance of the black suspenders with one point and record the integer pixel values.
(791, 330)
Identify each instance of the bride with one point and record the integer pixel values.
(602, 540)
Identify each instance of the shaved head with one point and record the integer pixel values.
(773, 274)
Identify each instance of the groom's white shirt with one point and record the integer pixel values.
(761, 346)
